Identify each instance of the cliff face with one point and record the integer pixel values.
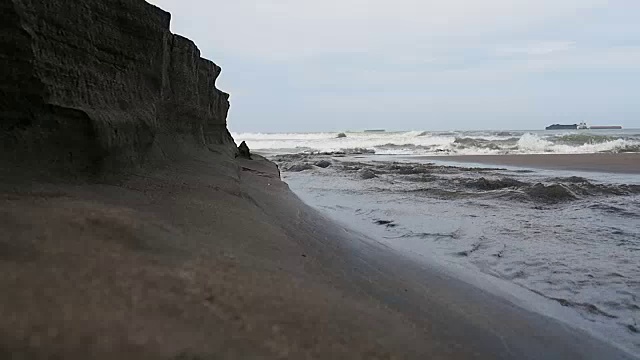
(91, 86)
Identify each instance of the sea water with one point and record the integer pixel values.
(569, 238)
(450, 143)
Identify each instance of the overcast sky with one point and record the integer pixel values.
(334, 65)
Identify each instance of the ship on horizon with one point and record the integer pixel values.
(582, 126)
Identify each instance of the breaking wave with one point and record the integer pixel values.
(445, 143)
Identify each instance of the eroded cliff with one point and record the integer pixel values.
(94, 86)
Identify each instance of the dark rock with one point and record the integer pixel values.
(366, 174)
(323, 164)
(352, 151)
(359, 151)
(89, 86)
(243, 151)
(351, 168)
(473, 249)
(341, 135)
(405, 169)
(387, 223)
(289, 157)
(299, 167)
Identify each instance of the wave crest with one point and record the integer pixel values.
(437, 143)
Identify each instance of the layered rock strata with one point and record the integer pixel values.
(94, 86)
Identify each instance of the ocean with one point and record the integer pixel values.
(564, 237)
(450, 143)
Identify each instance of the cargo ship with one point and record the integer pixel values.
(583, 126)
(562, 127)
(605, 127)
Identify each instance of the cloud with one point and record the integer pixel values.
(350, 63)
(540, 48)
(285, 29)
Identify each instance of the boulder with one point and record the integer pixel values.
(323, 164)
(299, 167)
(243, 151)
(366, 174)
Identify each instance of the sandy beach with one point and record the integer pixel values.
(206, 260)
(627, 163)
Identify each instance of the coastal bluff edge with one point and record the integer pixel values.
(92, 86)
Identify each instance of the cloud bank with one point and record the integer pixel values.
(409, 64)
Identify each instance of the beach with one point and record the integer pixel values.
(627, 163)
(201, 260)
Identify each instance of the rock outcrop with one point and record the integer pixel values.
(92, 86)
(243, 151)
(367, 174)
(323, 164)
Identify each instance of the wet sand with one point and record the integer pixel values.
(627, 163)
(208, 260)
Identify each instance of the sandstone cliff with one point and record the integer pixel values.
(93, 86)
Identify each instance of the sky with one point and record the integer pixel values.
(340, 65)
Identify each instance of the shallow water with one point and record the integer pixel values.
(573, 238)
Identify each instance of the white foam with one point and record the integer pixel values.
(534, 144)
(420, 143)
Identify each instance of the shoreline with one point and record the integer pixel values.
(493, 221)
(182, 261)
(626, 163)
